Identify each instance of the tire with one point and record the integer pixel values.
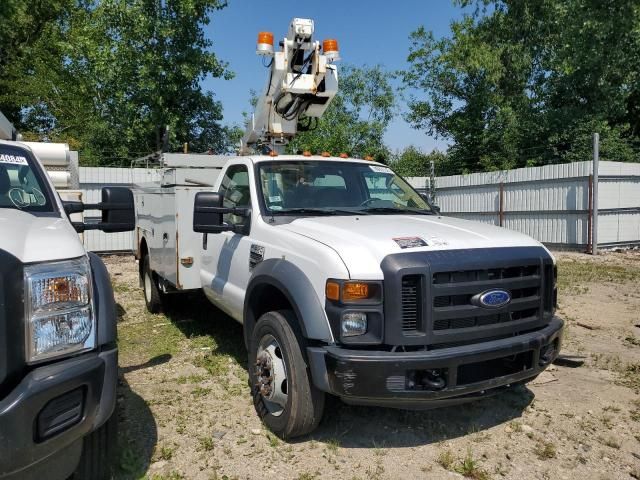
(98, 449)
(275, 349)
(152, 295)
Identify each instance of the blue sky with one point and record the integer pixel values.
(370, 32)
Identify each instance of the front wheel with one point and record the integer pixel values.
(98, 450)
(283, 393)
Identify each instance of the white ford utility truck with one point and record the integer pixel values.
(347, 283)
(58, 352)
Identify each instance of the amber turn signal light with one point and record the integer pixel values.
(333, 291)
(355, 291)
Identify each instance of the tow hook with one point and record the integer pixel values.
(425, 380)
(546, 354)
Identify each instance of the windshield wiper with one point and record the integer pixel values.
(319, 211)
(396, 210)
(303, 211)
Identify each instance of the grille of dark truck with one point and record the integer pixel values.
(440, 294)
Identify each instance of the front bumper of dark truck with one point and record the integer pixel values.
(434, 378)
(45, 417)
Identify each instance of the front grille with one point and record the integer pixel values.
(410, 303)
(485, 274)
(439, 294)
(457, 310)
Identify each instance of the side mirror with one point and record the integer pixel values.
(118, 211)
(436, 209)
(118, 214)
(208, 212)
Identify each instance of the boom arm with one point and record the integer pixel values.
(302, 82)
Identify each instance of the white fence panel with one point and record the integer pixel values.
(92, 179)
(549, 203)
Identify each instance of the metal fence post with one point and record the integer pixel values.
(596, 159)
(501, 205)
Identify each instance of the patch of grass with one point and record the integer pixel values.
(446, 459)
(200, 392)
(190, 379)
(205, 443)
(171, 476)
(545, 450)
(273, 440)
(216, 364)
(144, 340)
(573, 274)
(307, 476)
(129, 461)
(165, 452)
(333, 444)
(516, 426)
(470, 468)
(377, 472)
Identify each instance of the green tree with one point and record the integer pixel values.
(527, 83)
(357, 118)
(108, 76)
(411, 162)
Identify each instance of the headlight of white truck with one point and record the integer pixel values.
(58, 309)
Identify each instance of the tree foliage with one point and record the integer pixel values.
(356, 119)
(107, 76)
(411, 162)
(527, 83)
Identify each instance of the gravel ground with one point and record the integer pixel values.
(185, 412)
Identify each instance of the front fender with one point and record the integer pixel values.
(105, 305)
(297, 287)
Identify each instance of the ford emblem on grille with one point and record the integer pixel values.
(494, 298)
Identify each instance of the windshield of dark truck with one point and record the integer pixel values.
(21, 183)
(330, 187)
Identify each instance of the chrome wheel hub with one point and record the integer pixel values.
(271, 375)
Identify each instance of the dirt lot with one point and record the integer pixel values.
(185, 411)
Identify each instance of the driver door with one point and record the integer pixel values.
(225, 261)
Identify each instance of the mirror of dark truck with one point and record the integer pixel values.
(208, 211)
(118, 212)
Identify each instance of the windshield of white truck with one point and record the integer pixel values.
(336, 188)
(21, 184)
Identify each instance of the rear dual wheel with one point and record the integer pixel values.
(283, 394)
(153, 297)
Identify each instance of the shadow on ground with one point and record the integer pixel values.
(351, 426)
(195, 316)
(366, 427)
(137, 433)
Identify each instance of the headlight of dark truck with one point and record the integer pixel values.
(59, 315)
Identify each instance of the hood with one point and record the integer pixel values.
(33, 238)
(364, 241)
